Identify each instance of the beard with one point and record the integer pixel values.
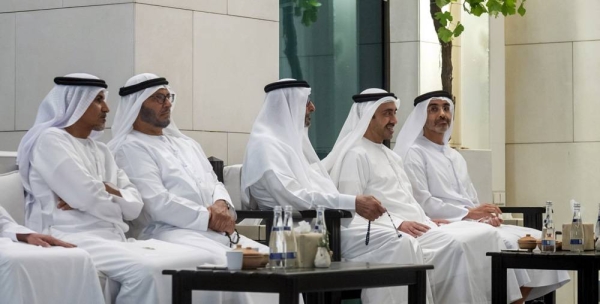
(149, 116)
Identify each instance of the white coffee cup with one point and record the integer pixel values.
(234, 260)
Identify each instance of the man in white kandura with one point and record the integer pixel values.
(76, 192)
(359, 163)
(441, 183)
(184, 202)
(281, 167)
(36, 274)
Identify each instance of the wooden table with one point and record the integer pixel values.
(289, 283)
(585, 263)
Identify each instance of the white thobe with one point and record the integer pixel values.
(170, 177)
(275, 188)
(462, 273)
(35, 275)
(75, 170)
(441, 184)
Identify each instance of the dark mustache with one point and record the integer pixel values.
(443, 119)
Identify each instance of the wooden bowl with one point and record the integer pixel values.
(252, 261)
(527, 242)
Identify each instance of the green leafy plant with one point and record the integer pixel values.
(324, 241)
(476, 8)
(447, 30)
(307, 9)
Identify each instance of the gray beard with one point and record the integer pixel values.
(148, 115)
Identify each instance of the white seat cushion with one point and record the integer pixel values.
(13, 196)
(232, 179)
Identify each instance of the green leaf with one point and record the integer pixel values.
(314, 3)
(477, 10)
(442, 3)
(509, 7)
(458, 30)
(522, 9)
(494, 7)
(444, 18)
(444, 34)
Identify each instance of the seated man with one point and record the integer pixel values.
(441, 184)
(32, 274)
(359, 163)
(184, 202)
(76, 192)
(281, 167)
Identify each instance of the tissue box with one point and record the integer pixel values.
(307, 248)
(588, 236)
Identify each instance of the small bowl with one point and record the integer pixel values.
(252, 261)
(527, 242)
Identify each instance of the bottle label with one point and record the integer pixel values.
(275, 228)
(576, 220)
(276, 256)
(548, 242)
(287, 228)
(576, 242)
(290, 255)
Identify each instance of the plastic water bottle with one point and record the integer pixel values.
(576, 230)
(291, 251)
(548, 232)
(320, 223)
(277, 241)
(597, 231)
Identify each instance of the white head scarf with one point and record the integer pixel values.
(129, 108)
(279, 143)
(61, 108)
(413, 126)
(353, 130)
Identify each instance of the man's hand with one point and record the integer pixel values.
(42, 240)
(220, 219)
(492, 220)
(369, 207)
(482, 211)
(62, 205)
(414, 229)
(440, 222)
(112, 189)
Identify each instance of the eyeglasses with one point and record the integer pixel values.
(162, 98)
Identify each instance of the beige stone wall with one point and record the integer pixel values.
(552, 89)
(217, 54)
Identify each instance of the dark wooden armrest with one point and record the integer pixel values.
(532, 216)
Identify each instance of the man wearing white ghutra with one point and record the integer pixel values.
(442, 186)
(76, 192)
(281, 167)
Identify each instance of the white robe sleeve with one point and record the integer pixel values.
(288, 191)
(162, 205)
(434, 207)
(130, 200)
(9, 228)
(75, 185)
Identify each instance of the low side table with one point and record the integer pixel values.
(289, 283)
(586, 264)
